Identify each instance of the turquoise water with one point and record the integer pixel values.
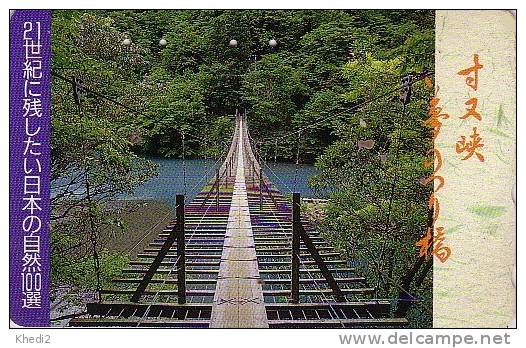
(176, 177)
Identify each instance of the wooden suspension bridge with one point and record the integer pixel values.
(239, 256)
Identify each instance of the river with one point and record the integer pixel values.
(170, 181)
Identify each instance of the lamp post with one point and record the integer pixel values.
(127, 42)
(350, 54)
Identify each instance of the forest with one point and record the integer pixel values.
(132, 84)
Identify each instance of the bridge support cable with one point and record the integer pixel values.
(256, 168)
(184, 163)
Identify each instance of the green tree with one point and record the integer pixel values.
(274, 91)
(378, 207)
(92, 139)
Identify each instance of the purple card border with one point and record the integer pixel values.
(28, 317)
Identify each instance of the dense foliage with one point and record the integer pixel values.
(197, 78)
(332, 82)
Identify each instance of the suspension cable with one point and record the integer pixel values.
(265, 164)
(351, 109)
(124, 106)
(184, 163)
(297, 161)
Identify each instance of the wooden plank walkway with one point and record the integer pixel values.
(238, 300)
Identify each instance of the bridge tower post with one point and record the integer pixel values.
(295, 275)
(181, 253)
(253, 172)
(217, 189)
(226, 173)
(260, 189)
(176, 236)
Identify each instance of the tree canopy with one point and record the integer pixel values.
(197, 78)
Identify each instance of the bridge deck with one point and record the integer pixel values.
(238, 246)
(238, 299)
